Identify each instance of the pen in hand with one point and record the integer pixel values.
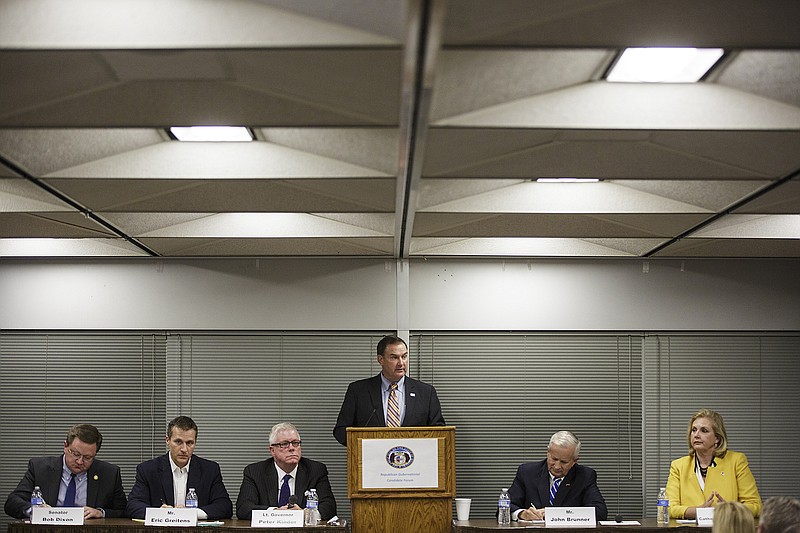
(538, 514)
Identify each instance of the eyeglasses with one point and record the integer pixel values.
(77, 455)
(285, 444)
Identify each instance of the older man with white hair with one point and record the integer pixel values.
(282, 480)
(556, 481)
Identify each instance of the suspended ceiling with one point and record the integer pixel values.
(396, 129)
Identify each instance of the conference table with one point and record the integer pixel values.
(126, 525)
(647, 525)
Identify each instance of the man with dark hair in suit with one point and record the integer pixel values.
(391, 398)
(74, 479)
(271, 483)
(557, 481)
(164, 481)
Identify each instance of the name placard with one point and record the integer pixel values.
(276, 518)
(62, 516)
(705, 516)
(400, 463)
(569, 517)
(170, 517)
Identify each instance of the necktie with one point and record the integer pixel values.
(393, 408)
(283, 499)
(69, 497)
(554, 489)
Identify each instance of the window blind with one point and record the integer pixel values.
(750, 379)
(51, 381)
(508, 393)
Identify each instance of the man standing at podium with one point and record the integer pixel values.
(391, 398)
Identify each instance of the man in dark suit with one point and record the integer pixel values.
(370, 402)
(558, 481)
(164, 481)
(280, 481)
(74, 479)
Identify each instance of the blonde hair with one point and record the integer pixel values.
(733, 517)
(717, 425)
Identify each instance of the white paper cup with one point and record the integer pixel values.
(462, 509)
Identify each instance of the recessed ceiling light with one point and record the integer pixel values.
(567, 180)
(212, 133)
(664, 65)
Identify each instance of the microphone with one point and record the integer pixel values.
(292, 501)
(372, 414)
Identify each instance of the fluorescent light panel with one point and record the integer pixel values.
(664, 65)
(212, 133)
(567, 180)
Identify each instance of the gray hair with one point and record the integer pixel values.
(566, 439)
(779, 515)
(279, 428)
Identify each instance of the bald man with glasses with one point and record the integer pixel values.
(75, 479)
(282, 480)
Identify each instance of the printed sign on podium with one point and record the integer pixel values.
(402, 476)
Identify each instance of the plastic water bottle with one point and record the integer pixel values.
(312, 507)
(504, 508)
(663, 507)
(191, 499)
(37, 500)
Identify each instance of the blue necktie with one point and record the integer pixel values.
(554, 489)
(283, 498)
(69, 497)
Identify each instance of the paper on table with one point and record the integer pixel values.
(623, 523)
(523, 521)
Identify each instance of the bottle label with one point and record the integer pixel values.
(191, 504)
(37, 501)
(312, 504)
(663, 503)
(504, 503)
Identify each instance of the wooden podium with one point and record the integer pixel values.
(379, 507)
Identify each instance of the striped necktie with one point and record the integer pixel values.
(554, 489)
(393, 408)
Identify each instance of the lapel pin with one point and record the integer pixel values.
(412, 394)
(95, 477)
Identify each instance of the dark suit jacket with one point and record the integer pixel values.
(154, 486)
(259, 488)
(103, 490)
(363, 406)
(577, 489)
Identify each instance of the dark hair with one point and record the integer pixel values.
(181, 422)
(85, 433)
(390, 340)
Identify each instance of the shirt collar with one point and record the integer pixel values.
(66, 472)
(281, 473)
(174, 467)
(385, 383)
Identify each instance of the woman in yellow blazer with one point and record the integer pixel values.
(711, 473)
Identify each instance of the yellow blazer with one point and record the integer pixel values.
(731, 477)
